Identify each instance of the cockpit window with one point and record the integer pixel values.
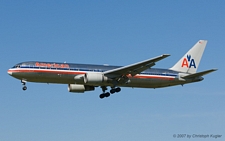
(16, 66)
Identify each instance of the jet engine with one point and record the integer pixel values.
(77, 88)
(92, 78)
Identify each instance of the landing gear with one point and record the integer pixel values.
(24, 88)
(103, 95)
(24, 85)
(107, 94)
(113, 90)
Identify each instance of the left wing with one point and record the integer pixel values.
(134, 69)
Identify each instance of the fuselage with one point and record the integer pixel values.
(64, 73)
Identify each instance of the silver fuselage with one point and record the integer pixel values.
(64, 73)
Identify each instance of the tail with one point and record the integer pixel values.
(190, 61)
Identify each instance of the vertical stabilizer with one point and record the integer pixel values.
(190, 61)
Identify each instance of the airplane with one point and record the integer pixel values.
(86, 77)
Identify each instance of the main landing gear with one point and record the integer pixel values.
(107, 94)
(24, 85)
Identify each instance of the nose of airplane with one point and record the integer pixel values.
(9, 72)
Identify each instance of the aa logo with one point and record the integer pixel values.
(188, 62)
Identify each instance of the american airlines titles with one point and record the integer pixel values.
(51, 65)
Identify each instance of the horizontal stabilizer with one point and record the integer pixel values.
(199, 74)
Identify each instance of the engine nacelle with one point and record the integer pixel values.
(93, 78)
(77, 88)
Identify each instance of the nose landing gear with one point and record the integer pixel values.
(24, 85)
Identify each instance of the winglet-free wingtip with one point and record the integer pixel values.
(212, 70)
(165, 55)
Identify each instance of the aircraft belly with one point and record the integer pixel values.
(45, 77)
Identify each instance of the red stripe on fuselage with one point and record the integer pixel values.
(79, 72)
(44, 71)
(154, 77)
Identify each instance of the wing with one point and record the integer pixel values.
(134, 69)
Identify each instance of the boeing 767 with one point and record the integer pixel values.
(86, 77)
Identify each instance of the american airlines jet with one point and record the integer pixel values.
(86, 77)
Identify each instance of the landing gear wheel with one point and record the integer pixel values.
(104, 95)
(107, 94)
(118, 89)
(112, 91)
(24, 88)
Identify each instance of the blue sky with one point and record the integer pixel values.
(115, 33)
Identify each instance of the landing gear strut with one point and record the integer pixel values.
(107, 94)
(24, 85)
